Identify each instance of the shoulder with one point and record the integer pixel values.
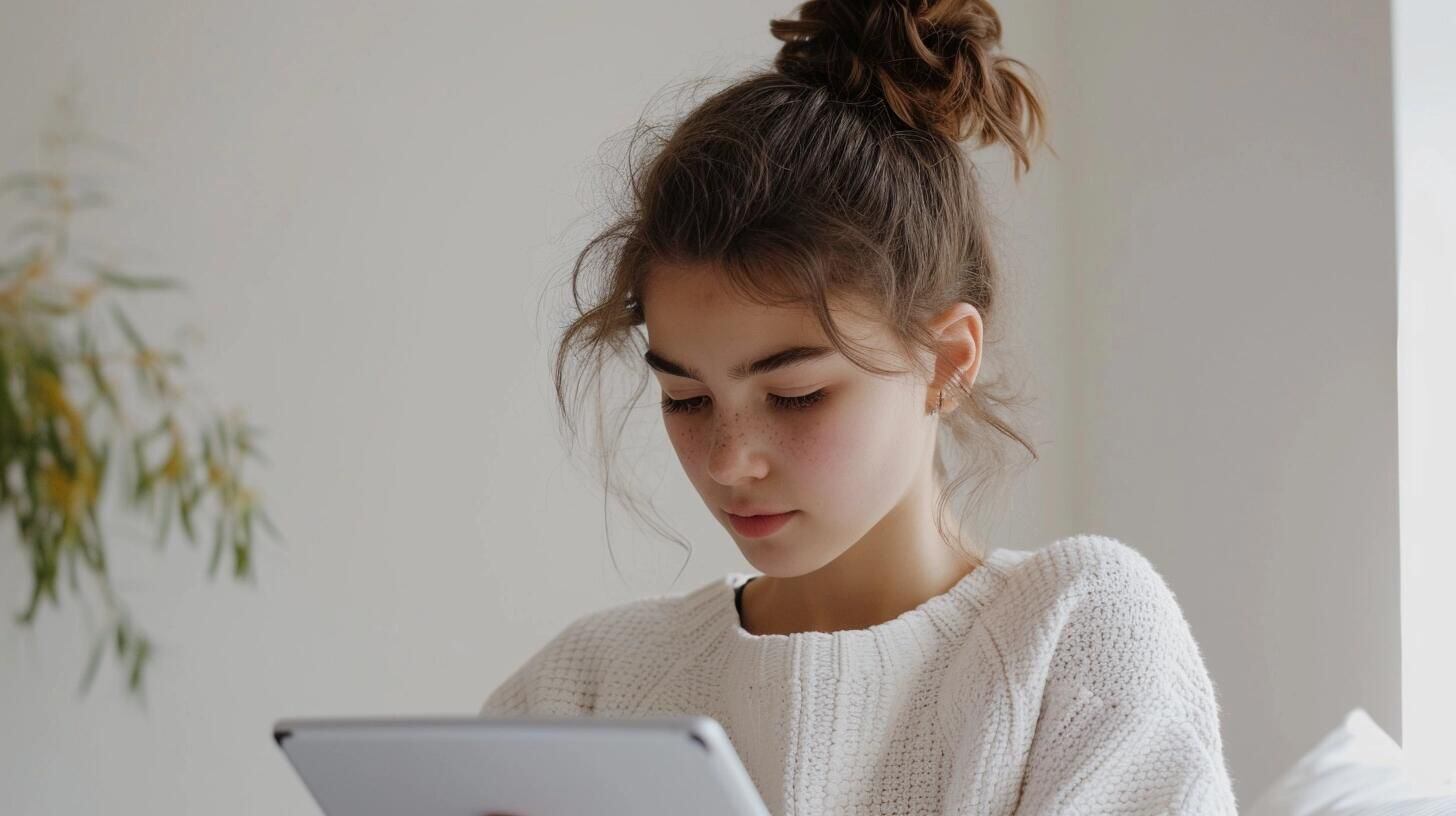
(649, 620)
(1092, 573)
(563, 675)
(1100, 616)
(1086, 563)
(617, 630)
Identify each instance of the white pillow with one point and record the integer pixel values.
(1356, 769)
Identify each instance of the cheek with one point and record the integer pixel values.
(820, 446)
(855, 455)
(689, 441)
(838, 457)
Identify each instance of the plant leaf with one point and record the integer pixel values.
(184, 508)
(93, 663)
(24, 182)
(139, 660)
(132, 335)
(216, 545)
(166, 525)
(110, 275)
(267, 523)
(44, 226)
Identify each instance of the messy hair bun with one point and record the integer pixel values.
(932, 62)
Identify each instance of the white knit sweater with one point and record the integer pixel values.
(1058, 681)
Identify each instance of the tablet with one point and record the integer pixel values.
(520, 766)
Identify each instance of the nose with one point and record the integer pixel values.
(736, 453)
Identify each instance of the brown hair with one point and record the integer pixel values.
(836, 174)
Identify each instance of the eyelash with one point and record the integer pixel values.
(799, 403)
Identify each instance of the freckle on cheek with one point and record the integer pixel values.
(804, 446)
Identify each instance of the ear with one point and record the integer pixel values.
(958, 352)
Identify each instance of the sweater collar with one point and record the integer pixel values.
(947, 615)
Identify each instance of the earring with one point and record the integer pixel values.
(939, 404)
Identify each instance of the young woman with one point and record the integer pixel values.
(808, 253)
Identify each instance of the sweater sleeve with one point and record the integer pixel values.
(510, 698)
(549, 682)
(1129, 718)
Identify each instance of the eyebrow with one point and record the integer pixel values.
(779, 359)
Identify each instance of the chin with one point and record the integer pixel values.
(777, 559)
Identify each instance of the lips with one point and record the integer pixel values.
(760, 526)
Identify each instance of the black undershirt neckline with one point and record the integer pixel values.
(738, 598)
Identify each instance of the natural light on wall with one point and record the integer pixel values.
(1425, 143)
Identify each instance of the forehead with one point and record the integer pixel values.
(695, 306)
(682, 302)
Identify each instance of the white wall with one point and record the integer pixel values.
(373, 209)
(1230, 200)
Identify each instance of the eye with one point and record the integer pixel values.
(799, 403)
(672, 406)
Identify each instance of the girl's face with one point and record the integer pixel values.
(841, 448)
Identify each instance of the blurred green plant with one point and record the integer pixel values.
(62, 420)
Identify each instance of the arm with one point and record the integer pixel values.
(555, 680)
(1129, 721)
